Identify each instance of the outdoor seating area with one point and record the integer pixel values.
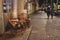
(22, 23)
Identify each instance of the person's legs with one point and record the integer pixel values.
(51, 16)
(48, 14)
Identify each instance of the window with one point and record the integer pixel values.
(4, 7)
(7, 6)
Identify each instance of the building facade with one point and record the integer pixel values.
(11, 9)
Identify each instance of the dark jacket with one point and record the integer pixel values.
(48, 10)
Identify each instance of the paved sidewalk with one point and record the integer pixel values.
(24, 36)
(44, 29)
(19, 36)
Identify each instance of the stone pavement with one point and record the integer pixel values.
(22, 37)
(19, 36)
(44, 29)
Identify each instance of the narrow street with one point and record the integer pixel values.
(27, 20)
(44, 29)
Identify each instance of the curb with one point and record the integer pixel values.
(25, 36)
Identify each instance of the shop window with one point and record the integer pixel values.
(7, 6)
(4, 7)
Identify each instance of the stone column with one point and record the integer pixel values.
(20, 6)
(1, 17)
(14, 9)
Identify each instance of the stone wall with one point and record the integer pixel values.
(20, 5)
(1, 18)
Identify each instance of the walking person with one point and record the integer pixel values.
(49, 12)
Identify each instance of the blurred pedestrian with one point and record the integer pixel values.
(49, 12)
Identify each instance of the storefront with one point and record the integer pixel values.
(10, 9)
